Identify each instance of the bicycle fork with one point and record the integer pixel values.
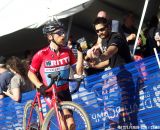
(30, 116)
(36, 99)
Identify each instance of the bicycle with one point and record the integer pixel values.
(52, 118)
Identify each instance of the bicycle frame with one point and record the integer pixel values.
(51, 101)
(36, 100)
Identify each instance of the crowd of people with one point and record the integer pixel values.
(113, 48)
(13, 78)
(122, 38)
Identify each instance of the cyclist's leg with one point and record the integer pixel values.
(66, 96)
(68, 119)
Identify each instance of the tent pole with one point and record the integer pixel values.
(140, 25)
(156, 54)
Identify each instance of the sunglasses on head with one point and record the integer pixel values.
(59, 32)
(101, 29)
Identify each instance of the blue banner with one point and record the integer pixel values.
(126, 97)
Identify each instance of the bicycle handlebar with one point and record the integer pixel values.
(56, 77)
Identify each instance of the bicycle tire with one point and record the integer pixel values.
(75, 109)
(34, 125)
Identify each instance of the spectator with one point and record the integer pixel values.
(157, 37)
(115, 48)
(5, 76)
(150, 35)
(28, 54)
(90, 69)
(19, 82)
(115, 52)
(129, 29)
(51, 59)
(115, 24)
(140, 48)
(103, 14)
(28, 57)
(83, 46)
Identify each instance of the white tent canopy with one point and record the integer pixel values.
(19, 14)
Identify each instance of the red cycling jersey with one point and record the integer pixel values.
(47, 61)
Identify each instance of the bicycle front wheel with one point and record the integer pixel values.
(31, 119)
(81, 119)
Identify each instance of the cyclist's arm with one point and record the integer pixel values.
(34, 68)
(34, 79)
(76, 64)
(79, 64)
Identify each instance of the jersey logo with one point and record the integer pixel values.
(48, 63)
(59, 62)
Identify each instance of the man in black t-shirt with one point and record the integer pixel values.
(114, 52)
(118, 49)
(114, 48)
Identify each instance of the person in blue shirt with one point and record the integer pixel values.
(5, 76)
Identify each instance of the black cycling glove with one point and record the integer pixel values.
(42, 90)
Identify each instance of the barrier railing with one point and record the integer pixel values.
(126, 97)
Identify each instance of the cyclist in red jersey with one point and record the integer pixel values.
(53, 58)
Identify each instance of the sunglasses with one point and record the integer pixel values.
(59, 32)
(102, 29)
